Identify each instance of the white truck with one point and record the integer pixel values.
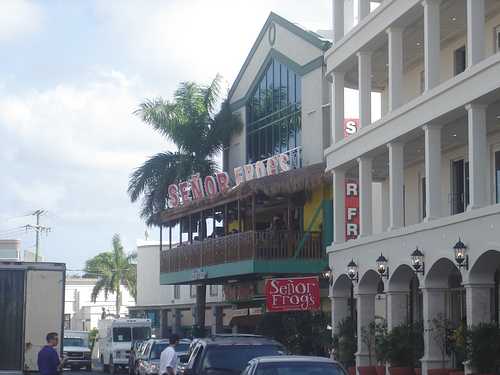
(76, 350)
(31, 305)
(115, 340)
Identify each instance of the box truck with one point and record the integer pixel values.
(31, 305)
(115, 340)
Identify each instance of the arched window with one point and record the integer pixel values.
(274, 113)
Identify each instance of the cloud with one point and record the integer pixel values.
(194, 40)
(18, 18)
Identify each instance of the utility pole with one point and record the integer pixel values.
(38, 228)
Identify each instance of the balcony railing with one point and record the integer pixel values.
(251, 245)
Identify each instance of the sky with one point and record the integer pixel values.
(71, 75)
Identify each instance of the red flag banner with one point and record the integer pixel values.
(293, 294)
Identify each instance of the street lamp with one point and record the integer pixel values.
(382, 267)
(461, 257)
(352, 271)
(417, 261)
(327, 274)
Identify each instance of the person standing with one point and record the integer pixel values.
(168, 357)
(48, 359)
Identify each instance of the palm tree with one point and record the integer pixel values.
(113, 269)
(199, 133)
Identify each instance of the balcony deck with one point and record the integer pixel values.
(244, 253)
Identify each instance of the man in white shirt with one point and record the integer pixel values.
(168, 357)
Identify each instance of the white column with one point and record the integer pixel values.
(338, 19)
(365, 87)
(366, 314)
(432, 42)
(432, 171)
(434, 304)
(475, 31)
(478, 155)
(339, 205)
(478, 303)
(396, 182)
(340, 311)
(395, 41)
(337, 107)
(363, 9)
(397, 308)
(365, 195)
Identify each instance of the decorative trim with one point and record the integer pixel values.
(275, 54)
(308, 36)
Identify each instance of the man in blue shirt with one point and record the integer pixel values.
(48, 359)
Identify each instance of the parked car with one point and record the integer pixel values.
(149, 362)
(182, 350)
(291, 365)
(229, 354)
(76, 350)
(134, 355)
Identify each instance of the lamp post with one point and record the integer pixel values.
(382, 267)
(417, 261)
(461, 256)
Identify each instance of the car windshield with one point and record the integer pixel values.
(299, 368)
(182, 348)
(74, 341)
(141, 333)
(157, 349)
(122, 334)
(236, 357)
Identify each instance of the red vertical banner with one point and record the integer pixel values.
(351, 126)
(351, 209)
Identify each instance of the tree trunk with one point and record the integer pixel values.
(201, 302)
(117, 303)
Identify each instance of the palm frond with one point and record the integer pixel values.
(212, 94)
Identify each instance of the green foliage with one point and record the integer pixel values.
(113, 269)
(93, 338)
(302, 332)
(441, 329)
(405, 345)
(190, 122)
(374, 336)
(483, 347)
(344, 342)
(458, 342)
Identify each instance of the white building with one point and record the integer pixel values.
(171, 307)
(436, 153)
(80, 313)
(10, 250)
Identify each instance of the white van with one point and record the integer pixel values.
(76, 351)
(115, 340)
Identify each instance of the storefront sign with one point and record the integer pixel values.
(239, 312)
(351, 126)
(295, 294)
(351, 210)
(195, 189)
(268, 167)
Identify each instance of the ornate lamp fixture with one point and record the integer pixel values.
(417, 261)
(382, 267)
(352, 271)
(461, 256)
(327, 274)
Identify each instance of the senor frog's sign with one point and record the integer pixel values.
(292, 294)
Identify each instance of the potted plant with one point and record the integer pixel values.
(483, 348)
(344, 344)
(405, 347)
(458, 341)
(368, 338)
(440, 334)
